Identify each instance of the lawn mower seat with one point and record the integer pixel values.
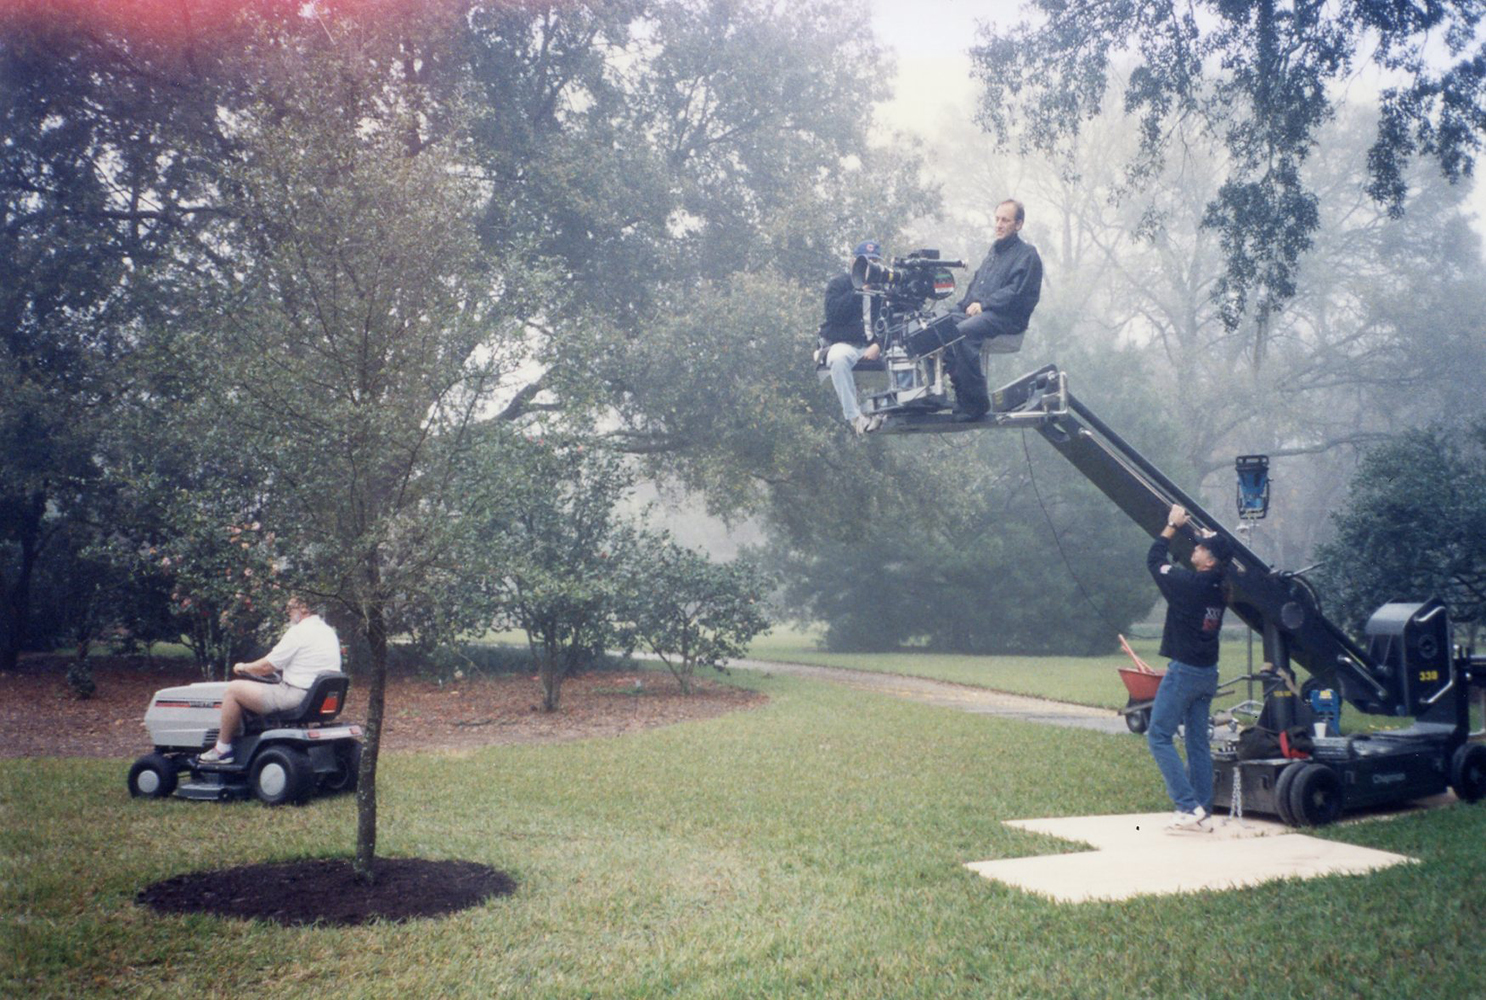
(324, 702)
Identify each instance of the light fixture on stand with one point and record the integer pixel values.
(1253, 504)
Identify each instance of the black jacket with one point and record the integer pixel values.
(1194, 609)
(843, 323)
(1007, 285)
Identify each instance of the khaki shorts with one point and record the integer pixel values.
(282, 698)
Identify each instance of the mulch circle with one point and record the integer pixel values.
(325, 891)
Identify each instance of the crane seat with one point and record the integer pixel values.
(1005, 344)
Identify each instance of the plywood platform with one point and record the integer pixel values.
(1135, 856)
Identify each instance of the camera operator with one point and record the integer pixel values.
(998, 303)
(845, 334)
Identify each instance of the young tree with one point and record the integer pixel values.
(690, 611)
(555, 555)
(359, 330)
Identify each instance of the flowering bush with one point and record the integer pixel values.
(227, 586)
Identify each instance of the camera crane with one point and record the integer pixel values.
(912, 350)
(1408, 668)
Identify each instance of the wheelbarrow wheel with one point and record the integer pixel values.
(1138, 720)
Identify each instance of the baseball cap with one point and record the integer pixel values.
(1218, 546)
(870, 249)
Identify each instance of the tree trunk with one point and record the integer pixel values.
(366, 784)
(547, 651)
(80, 672)
(551, 673)
(18, 595)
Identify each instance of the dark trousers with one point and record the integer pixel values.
(962, 362)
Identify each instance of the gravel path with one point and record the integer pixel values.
(957, 696)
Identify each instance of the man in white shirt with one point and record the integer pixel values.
(309, 648)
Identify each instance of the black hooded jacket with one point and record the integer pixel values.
(1194, 609)
(843, 323)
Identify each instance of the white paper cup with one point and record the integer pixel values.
(1320, 728)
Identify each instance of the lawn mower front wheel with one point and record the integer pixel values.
(153, 776)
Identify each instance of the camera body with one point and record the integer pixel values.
(909, 281)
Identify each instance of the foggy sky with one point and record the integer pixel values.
(933, 89)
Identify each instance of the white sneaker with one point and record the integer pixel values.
(215, 756)
(861, 424)
(1195, 821)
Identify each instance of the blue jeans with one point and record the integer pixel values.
(1185, 698)
(840, 358)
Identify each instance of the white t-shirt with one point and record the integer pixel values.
(306, 650)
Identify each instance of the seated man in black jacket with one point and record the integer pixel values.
(998, 303)
(1194, 620)
(845, 331)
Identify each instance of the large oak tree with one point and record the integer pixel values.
(1257, 79)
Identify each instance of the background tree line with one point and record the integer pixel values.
(285, 263)
(305, 267)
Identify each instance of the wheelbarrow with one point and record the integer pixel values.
(1141, 681)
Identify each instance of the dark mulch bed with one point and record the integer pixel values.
(326, 891)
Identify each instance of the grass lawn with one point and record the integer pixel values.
(1083, 680)
(811, 848)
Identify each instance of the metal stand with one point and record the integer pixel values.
(1246, 529)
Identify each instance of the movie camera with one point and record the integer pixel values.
(913, 338)
(918, 278)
